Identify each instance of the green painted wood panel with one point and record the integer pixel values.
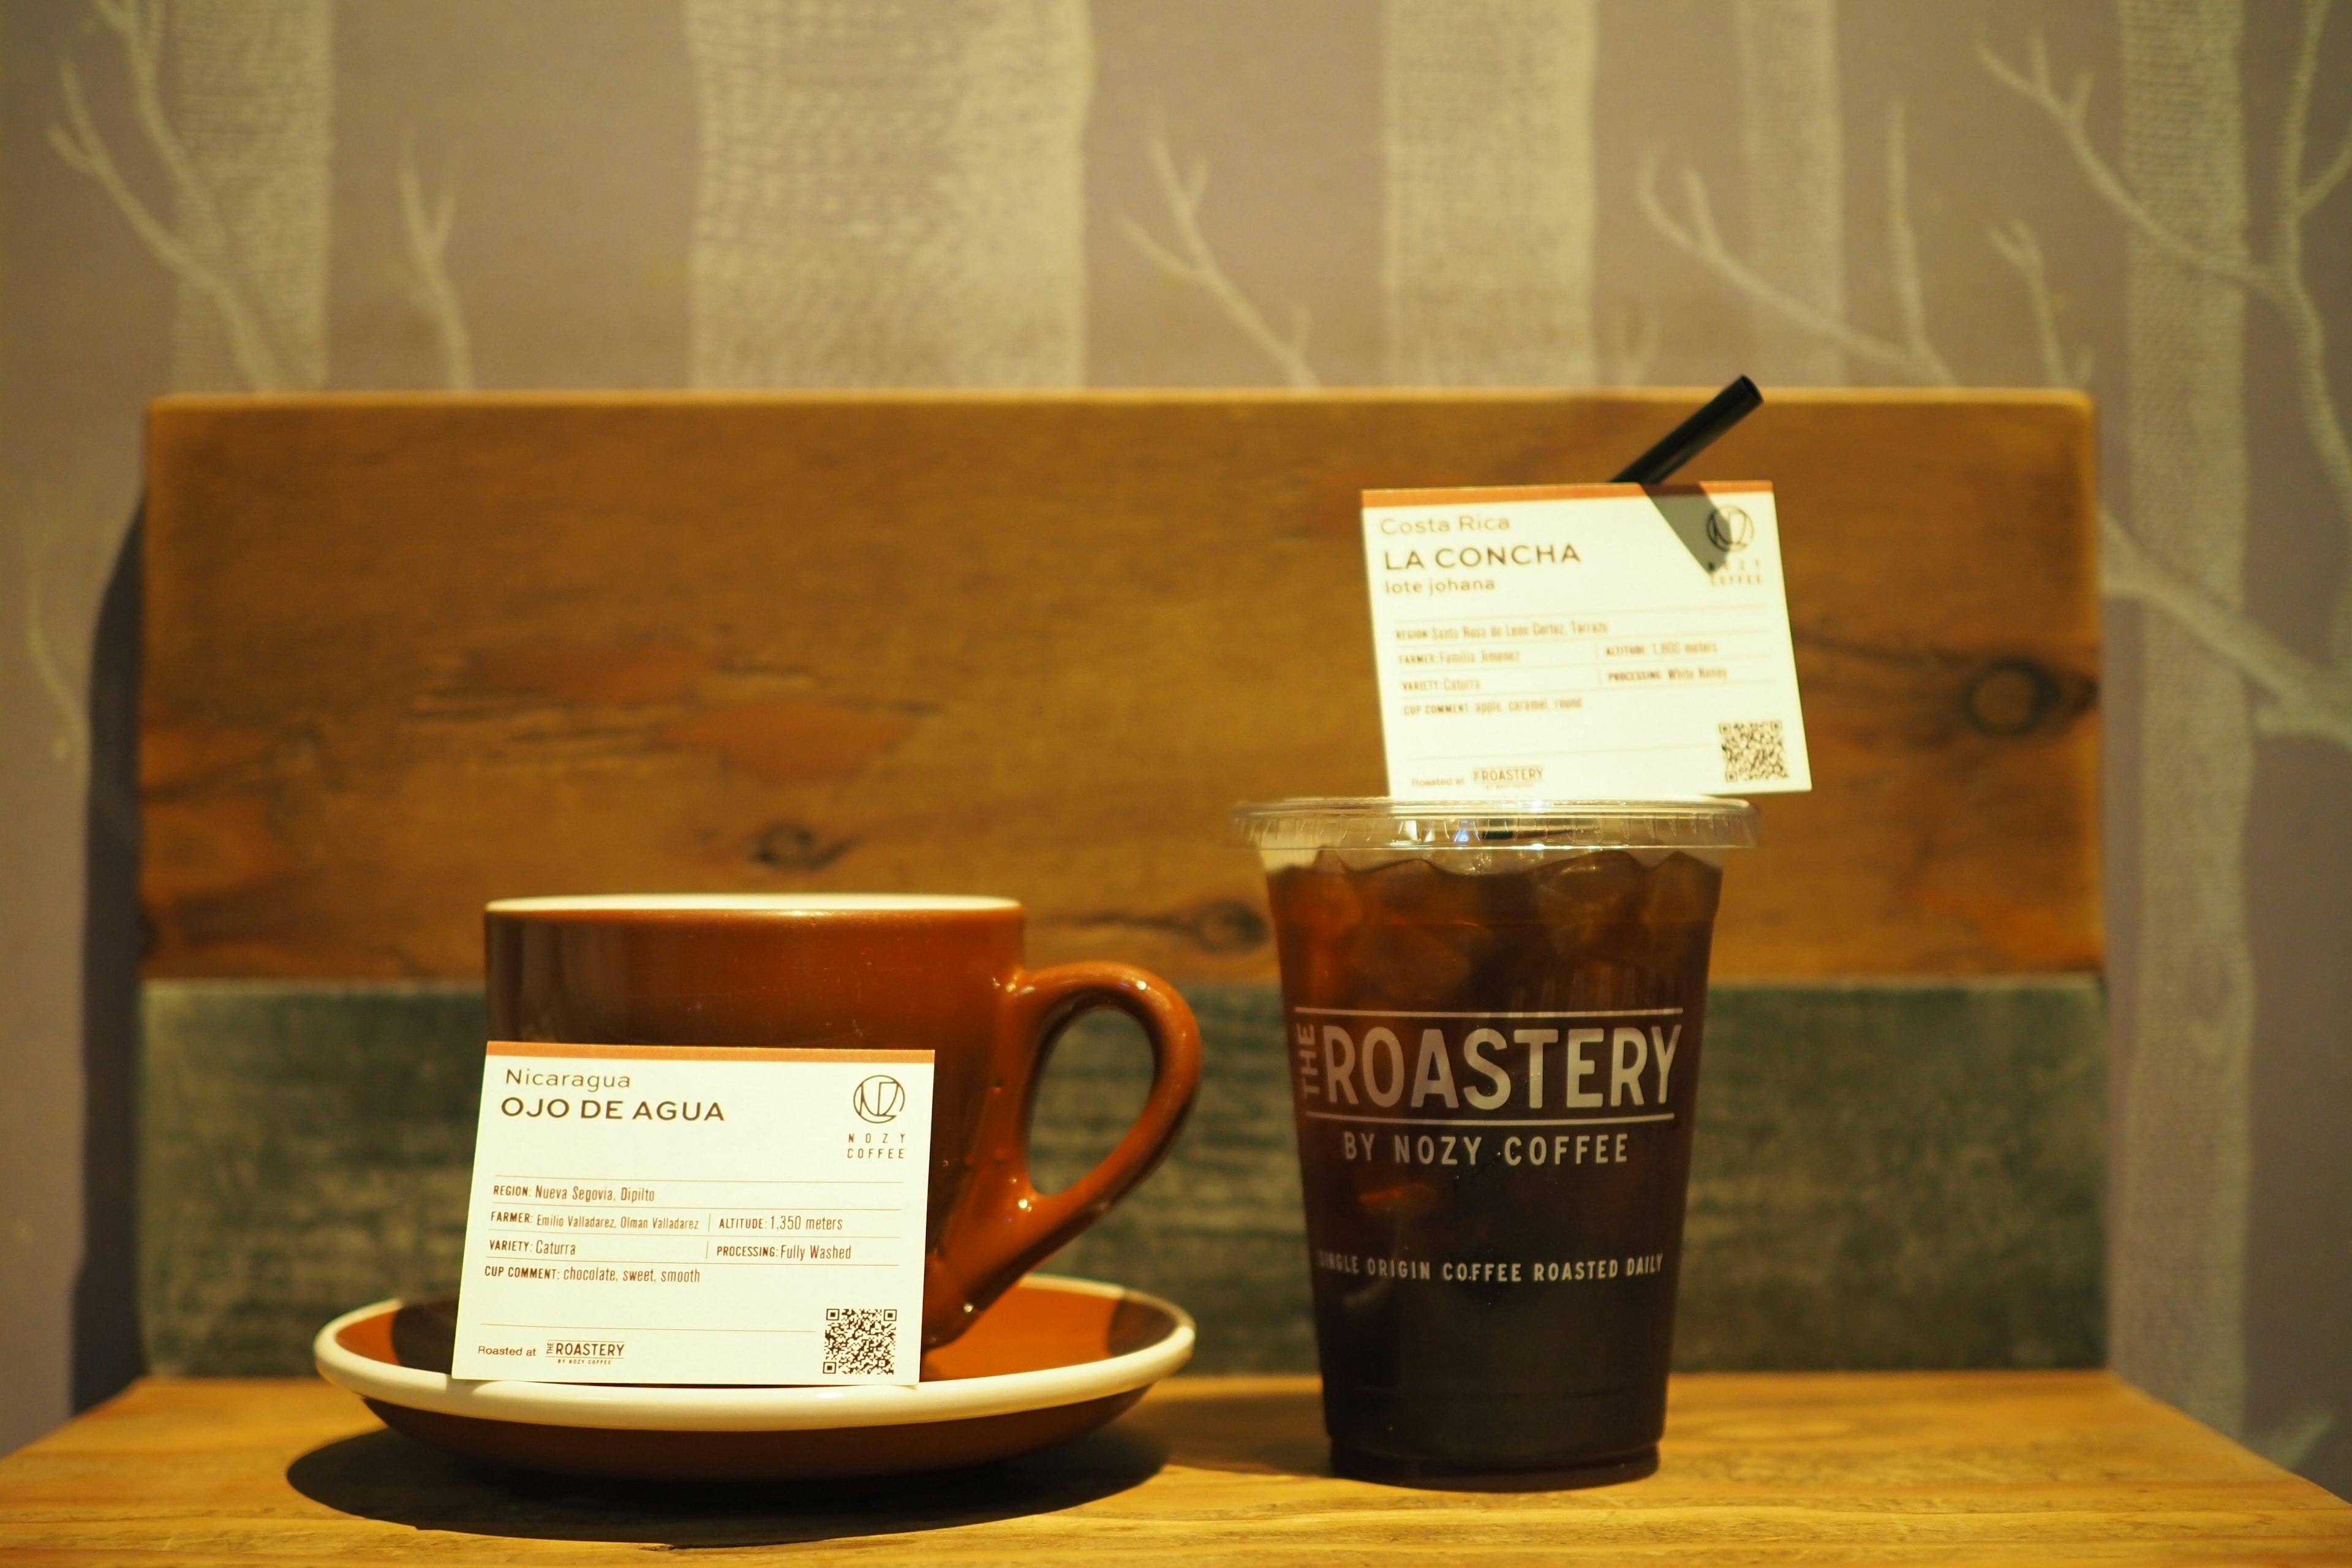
(304, 1150)
(1886, 1173)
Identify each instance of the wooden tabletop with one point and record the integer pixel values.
(1838, 1468)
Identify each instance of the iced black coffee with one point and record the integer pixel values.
(1494, 1019)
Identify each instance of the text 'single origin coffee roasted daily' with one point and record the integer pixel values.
(1495, 1018)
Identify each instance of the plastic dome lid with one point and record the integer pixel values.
(1385, 822)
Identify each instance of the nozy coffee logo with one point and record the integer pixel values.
(879, 1098)
(1730, 528)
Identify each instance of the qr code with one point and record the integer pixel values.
(861, 1342)
(1752, 752)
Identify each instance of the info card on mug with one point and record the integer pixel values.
(693, 1214)
(1583, 641)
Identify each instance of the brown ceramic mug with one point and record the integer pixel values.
(867, 972)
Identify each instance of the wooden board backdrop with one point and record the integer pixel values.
(409, 653)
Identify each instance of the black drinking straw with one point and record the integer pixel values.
(1694, 434)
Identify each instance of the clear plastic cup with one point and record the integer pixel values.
(1494, 1015)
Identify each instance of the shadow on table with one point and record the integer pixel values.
(381, 1475)
(1273, 1432)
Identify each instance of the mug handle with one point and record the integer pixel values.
(1003, 1227)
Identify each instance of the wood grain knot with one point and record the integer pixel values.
(1227, 925)
(1223, 927)
(2014, 697)
(797, 846)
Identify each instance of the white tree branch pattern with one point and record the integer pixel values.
(2300, 696)
(70, 745)
(1630, 335)
(2277, 279)
(197, 251)
(430, 290)
(1192, 261)
(1631, 332)
(1913, 357)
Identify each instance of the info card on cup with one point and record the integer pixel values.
(692, 1214)
(1583, 641)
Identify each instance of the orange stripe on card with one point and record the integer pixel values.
(701, 1052)
(1381, 500)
